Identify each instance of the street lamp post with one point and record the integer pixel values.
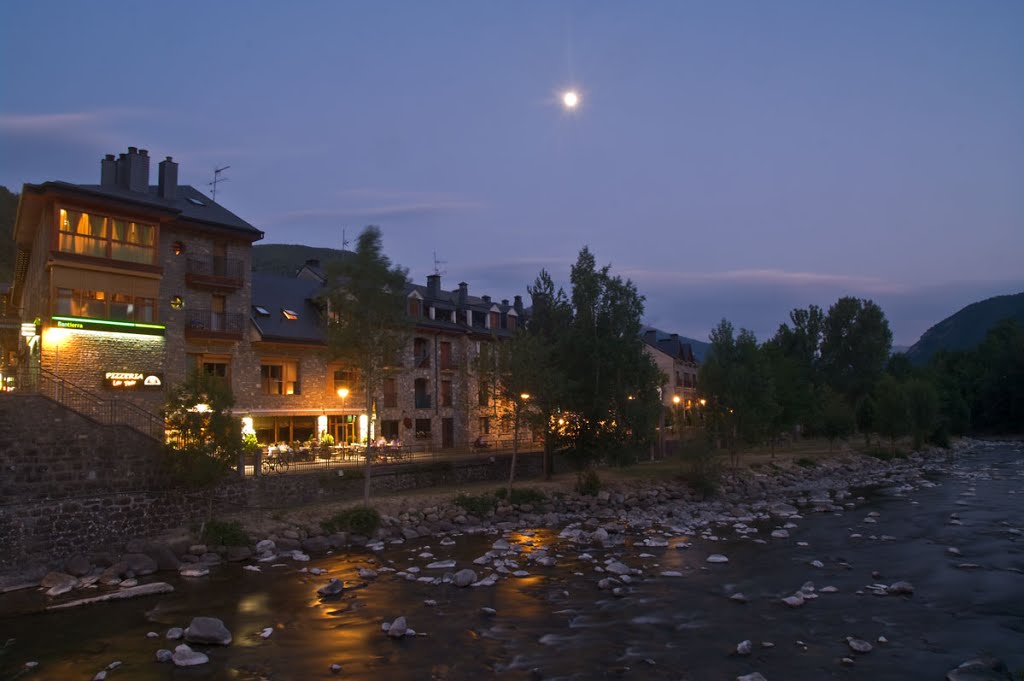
(517, 406)
(343, 393)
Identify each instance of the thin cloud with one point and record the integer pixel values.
(766, 277)
(49, 122)
(400, 206)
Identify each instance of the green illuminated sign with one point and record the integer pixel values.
(108, 325)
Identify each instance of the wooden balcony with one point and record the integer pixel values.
(215, 272)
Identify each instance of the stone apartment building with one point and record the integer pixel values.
(133, 285)
(676, 361)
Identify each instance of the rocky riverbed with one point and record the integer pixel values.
(790, 573)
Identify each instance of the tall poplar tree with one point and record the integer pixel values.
(367, 325)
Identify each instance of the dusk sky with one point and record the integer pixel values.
(734, 159)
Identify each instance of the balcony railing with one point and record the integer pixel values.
(215, 271)
(214, 324)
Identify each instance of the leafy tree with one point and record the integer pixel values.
(922, 409)
(892, 416)
(612, 381)
(956, 376)
(837, 417)
(737, 377)
(867, 415)
(206, 438)
(999, 404)
(855, 347)
(511, 368)
(367, 323)
(548, 380)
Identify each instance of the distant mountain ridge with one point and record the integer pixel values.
(967, 328)
(287, 259)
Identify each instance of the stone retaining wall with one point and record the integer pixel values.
(69, 485)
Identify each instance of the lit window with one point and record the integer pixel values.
(289, 314)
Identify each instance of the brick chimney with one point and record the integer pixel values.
(517, 303)
(132, 170)
(168, 179)
(108, 171)
(486, 299)
(433, 285)
(463, 294)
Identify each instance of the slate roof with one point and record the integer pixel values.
(670, 344)
(274, 293)
(209, 212)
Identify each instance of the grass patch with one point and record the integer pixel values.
(223, 533)
(477, 504)
(364, 521)
(588, 482)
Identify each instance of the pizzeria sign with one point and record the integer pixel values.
(132, 380)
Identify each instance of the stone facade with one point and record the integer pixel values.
(201, 279)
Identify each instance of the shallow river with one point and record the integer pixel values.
(556, 623)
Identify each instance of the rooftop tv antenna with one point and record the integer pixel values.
(217, 179)
(437, 264)
(344, 240)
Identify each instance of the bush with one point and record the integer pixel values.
(222, 533)
(362, 520)
(522, 496)
(588, 482)
(804, 462)
(704, 473)
(479, 505)
(194, 468)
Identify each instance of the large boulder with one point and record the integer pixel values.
(163, 556)
(78, 565)
(235, 554)
(464, 578)
(208, 630)
(139, 564)
(981, 669)
(318, 544)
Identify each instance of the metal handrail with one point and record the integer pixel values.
(90, 405)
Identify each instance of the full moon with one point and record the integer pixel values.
(570, 100)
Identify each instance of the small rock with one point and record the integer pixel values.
(744, 647)
(793, 601)
(397, 628)
(208, 631)
(175, 633)
(755, 676)
(738, 598)
(900, 588)
(858, 645)
(184, 656)
(717, 558)
(266, 632)
(332, 589)
(335, 668)
(164, 655)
